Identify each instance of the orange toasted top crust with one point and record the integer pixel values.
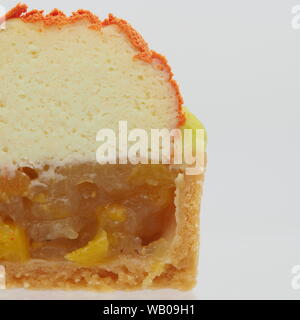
(57, 17)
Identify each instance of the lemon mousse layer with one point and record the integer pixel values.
(61, 84)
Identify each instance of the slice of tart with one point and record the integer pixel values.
(67, 221)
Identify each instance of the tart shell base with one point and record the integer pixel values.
(176, 270)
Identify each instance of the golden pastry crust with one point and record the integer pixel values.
(178, 269)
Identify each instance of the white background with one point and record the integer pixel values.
(238, 66)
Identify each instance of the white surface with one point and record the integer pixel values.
(238, 65)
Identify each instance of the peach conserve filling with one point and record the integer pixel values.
(84, 213)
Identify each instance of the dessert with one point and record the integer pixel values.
(67, 221)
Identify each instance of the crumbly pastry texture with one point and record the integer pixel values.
(123, 80)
